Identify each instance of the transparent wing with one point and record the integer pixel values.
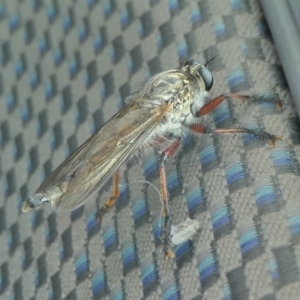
(77, 157)
(80, 176)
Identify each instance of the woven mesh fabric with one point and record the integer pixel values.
(66, 68)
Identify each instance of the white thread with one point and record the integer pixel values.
(158, 192)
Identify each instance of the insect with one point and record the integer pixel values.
(167, 107)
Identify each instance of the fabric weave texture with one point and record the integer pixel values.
(66, 68)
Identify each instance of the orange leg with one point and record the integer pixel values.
(258, 133)
(211, 105)
(198, 128)
(113, 198)
(166, 154)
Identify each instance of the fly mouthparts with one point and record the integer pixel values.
(34, 202)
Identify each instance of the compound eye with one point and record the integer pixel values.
(190, 62)
(207, 77)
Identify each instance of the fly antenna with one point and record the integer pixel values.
(209, 61)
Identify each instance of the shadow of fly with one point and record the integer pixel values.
(165, 109)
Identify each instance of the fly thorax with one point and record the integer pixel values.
(190, 99)
(165, 87)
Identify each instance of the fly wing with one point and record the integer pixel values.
(77, 157)
(116, 141)
(67, 165)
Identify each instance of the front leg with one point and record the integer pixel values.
(211, 105)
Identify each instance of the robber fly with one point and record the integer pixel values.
(167, 107)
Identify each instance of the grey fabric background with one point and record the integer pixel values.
(67, 67)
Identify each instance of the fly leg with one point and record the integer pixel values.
(166, 154)
(211, 105)
(198, 128)
(113, 198)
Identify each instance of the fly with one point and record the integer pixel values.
(170, 104)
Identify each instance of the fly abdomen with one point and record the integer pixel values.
(35, 202)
